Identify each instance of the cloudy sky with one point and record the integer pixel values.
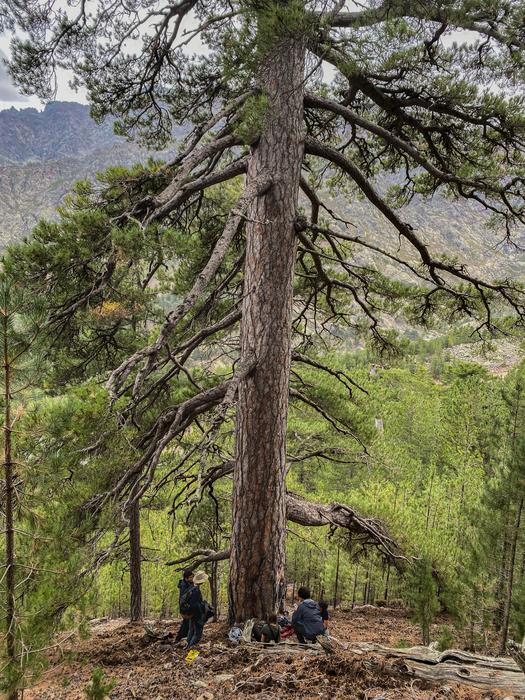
(11, 97)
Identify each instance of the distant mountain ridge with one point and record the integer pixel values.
(60, 130)
(42, 154)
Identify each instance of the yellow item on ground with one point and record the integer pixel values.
(191, 656)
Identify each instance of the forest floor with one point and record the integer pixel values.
(157, 670)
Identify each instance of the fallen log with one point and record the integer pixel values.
(517, 651)
(451, 666)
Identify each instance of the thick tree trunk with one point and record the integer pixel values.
(214, 588)
(387, 582)
(354, 591)
(259, 496)
(135, 564)
(502, 573)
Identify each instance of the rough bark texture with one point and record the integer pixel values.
(10, 637)
(451, 666)
(517, 651)
(259, 497)
(135, 563)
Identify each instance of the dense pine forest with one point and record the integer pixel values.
(207, 366)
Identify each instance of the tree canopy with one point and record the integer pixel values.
(275, 256)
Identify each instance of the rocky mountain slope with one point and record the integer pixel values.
(61, 130)
(43, 153)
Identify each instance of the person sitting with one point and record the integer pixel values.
(323, 607)
(197, 609)
(271, 631)
(184, 586)
(306, 620)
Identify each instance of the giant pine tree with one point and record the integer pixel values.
(403, 98)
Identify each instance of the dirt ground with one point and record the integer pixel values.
(157, 670)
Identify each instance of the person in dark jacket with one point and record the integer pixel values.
(184, 585)
(323, 607)
(197, 610)
(306, 620)
(271, 632)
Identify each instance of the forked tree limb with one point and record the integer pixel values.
(196, 135)
(163, 202)
(366, 531)
(199, 557)
(198, 184)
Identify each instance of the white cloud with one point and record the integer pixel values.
(11, 97)
(8, 92)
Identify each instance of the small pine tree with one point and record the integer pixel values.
(97, 688)
(422, 589)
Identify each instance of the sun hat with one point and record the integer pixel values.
(200, 577)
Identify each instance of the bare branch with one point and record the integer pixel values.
(316, 148)
(338, 374)
(118, 377)
(362, 532)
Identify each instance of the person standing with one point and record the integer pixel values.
(184, 586)
(306, 620)
(197, 610)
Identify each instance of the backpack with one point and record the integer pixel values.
(257, 631)
(235, 634)
(184, 603)
(209, 611)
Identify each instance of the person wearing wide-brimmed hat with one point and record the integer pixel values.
(197, 609)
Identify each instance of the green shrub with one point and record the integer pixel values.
(446, 639)
(98, 689)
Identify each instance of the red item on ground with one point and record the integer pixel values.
(286, 631)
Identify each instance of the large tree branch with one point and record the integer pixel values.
(238, 167)
(513, 296)
(402, 145)
(171, 423)
(362, 532)
(179, 355)
(237, 215)
(192, 140)
(427, 11)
